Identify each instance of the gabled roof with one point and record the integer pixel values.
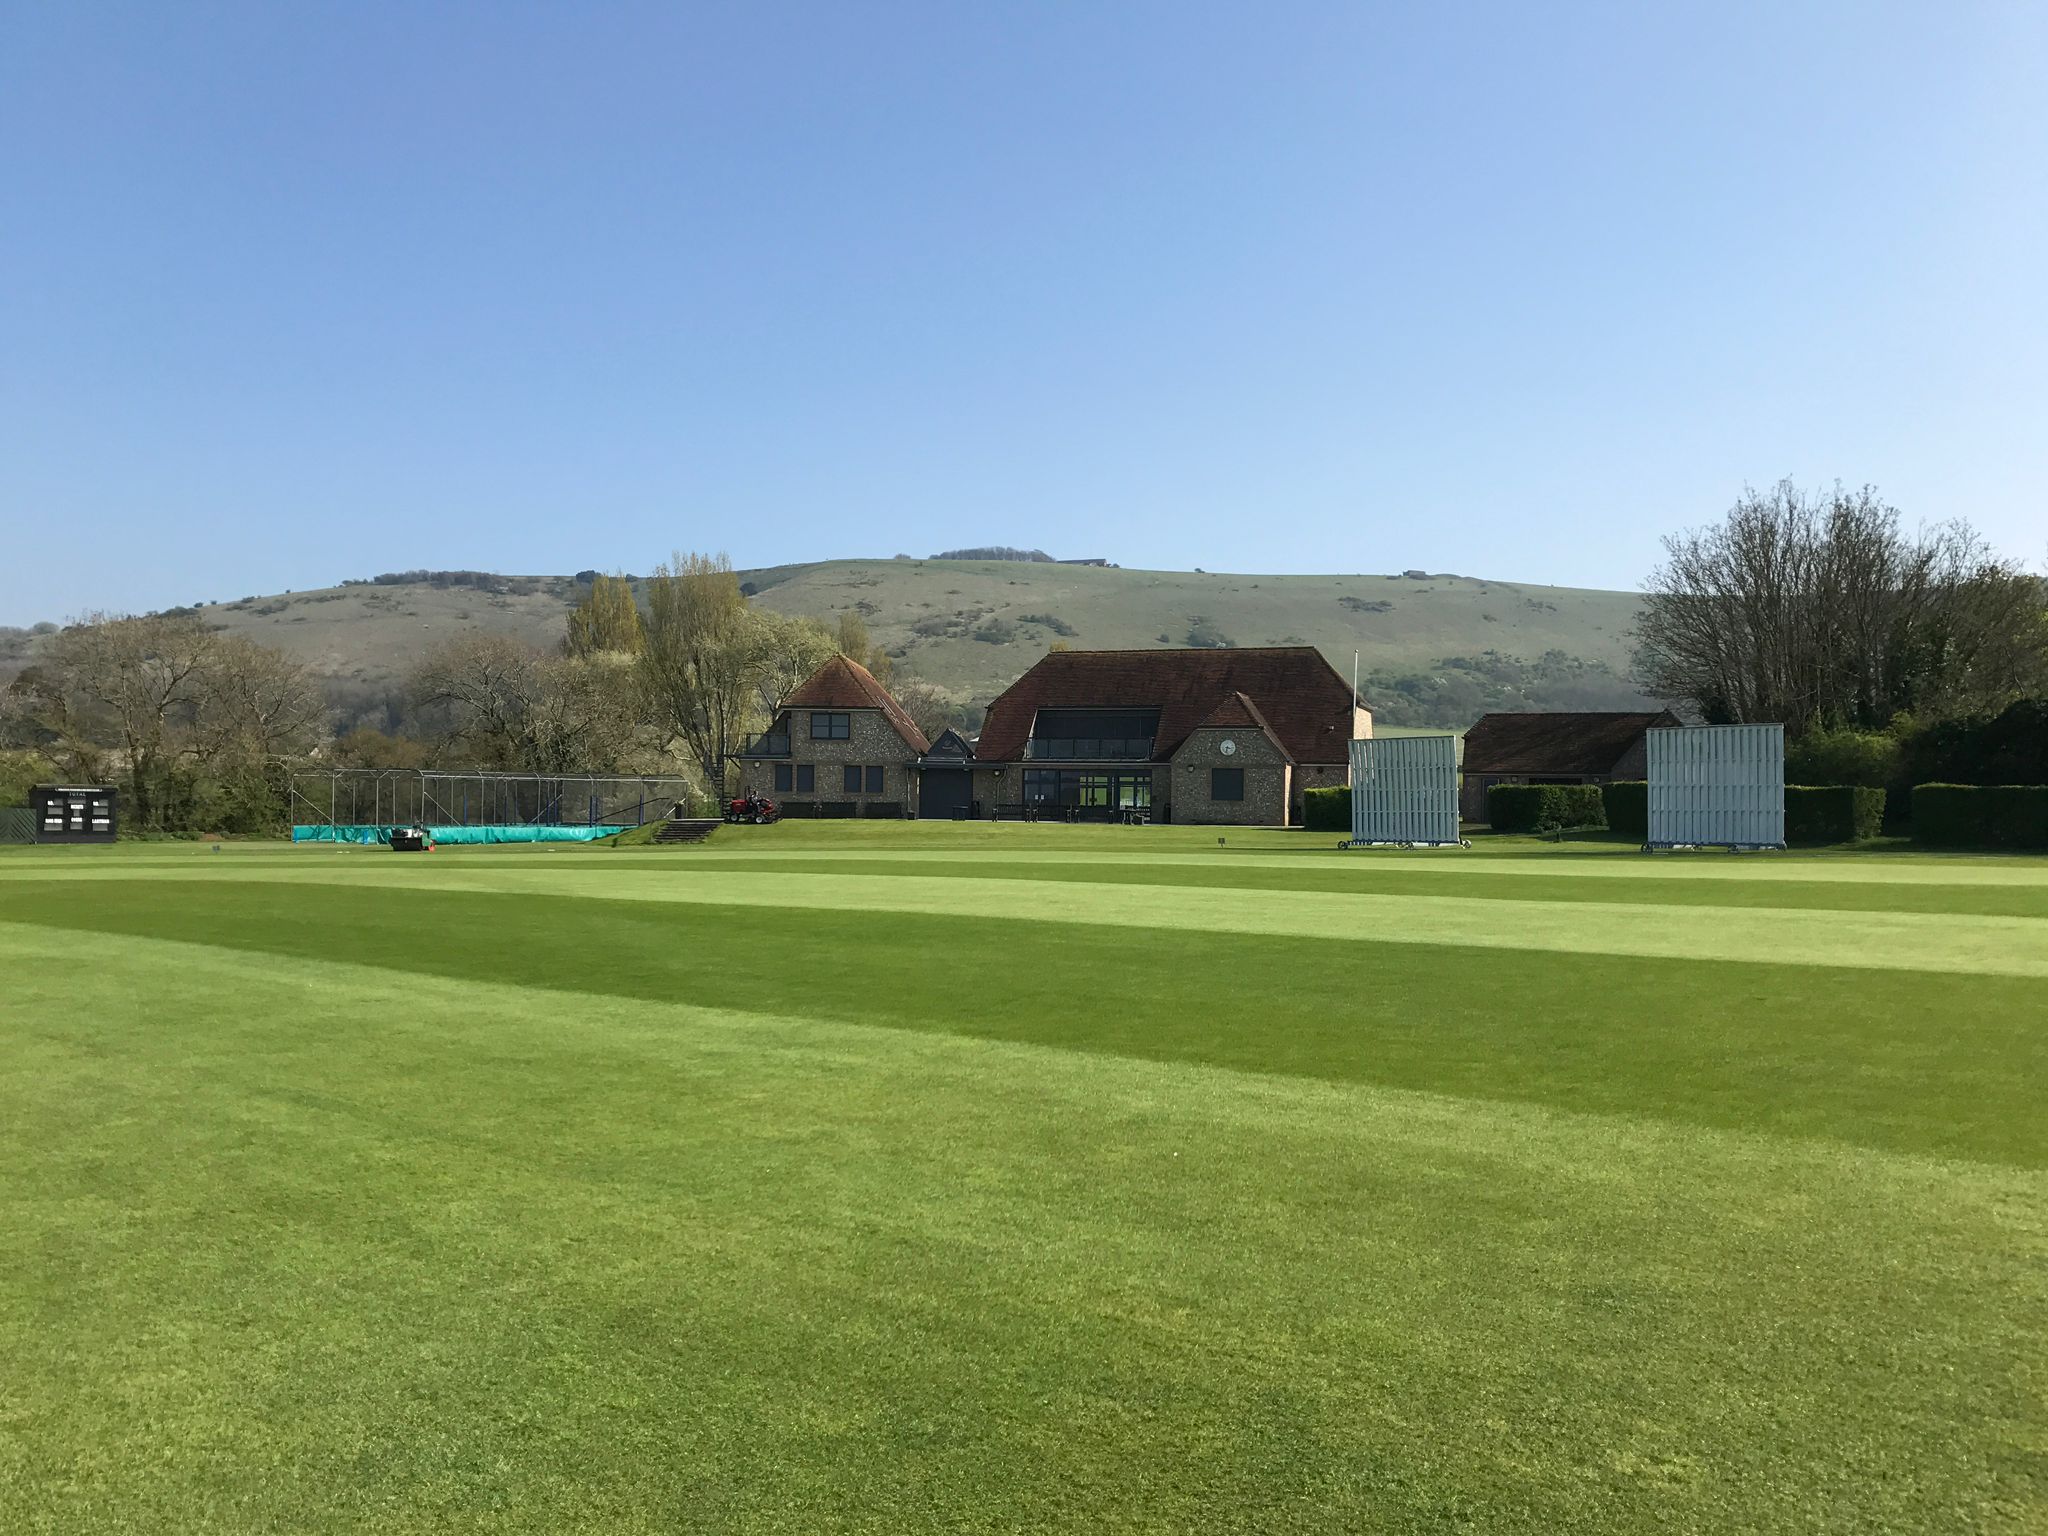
(843, 683)
(1304, 704)
(1582, 742)
(950, 743)
(1239, 713)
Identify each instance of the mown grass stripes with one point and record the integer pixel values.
(326, 1247)
(816, 1184)
(1809, 1050)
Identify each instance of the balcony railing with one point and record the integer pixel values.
(1089, 749)
(767, 746)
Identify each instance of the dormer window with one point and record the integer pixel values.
(1093, 734)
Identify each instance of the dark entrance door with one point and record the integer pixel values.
(945, 793)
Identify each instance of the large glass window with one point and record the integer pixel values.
(1226, 783)
(1093, 735)
(1082, 790)
(782, 778)
(849, 778)
(830, 726)
(806, 778)
(874, 779)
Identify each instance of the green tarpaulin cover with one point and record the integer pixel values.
(367, 834)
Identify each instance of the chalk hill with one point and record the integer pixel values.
(973, 626)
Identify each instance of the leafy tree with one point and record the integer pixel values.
(703, 660)
(368, 747)
(1836, 757)
(857, 645)
(2010, 747)
(607, 621)
(18, 772)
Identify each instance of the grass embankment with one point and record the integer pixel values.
(903, 1178)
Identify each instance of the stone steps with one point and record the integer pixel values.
(686, 829)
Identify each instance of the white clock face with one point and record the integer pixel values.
(1228, 747)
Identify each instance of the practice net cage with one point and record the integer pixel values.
(361, 805)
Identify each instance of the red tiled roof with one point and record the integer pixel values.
(1564, 743)
(1299, 697)
(1241, 713)
(843, 683)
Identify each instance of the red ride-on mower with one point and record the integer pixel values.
(758, 809)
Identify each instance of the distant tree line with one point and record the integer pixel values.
(200, 729)
(482, 581)
(997, 552)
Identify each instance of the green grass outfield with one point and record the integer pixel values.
(965, 1178)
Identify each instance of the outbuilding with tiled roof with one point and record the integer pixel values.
(1555, 747)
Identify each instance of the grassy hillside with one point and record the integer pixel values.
(972, 626)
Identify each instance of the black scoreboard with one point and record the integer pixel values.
(73, 813)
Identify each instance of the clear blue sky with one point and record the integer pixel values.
(290, 293)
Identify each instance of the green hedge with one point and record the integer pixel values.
(1845, 813)
(1544, 807)
(18, 770)
(1327, 810)
(1627, 802)
(1981, 816)
(2007, 749)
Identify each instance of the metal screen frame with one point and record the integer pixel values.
(1716, 786)
(432, 797)
(1404, 791)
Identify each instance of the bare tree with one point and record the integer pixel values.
(791, 649)
(39, 711)
(929, 706)
(136, 684)
(1818, 609)
(586, 717)
(256, 703)
(484, 686)
(510, 707)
